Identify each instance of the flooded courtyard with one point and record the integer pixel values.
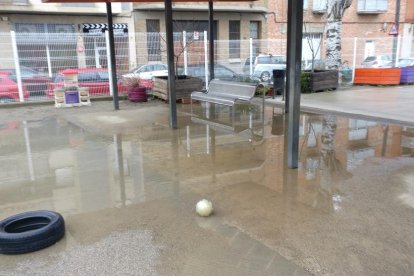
(127, 186)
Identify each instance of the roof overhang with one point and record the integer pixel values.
(138, 1)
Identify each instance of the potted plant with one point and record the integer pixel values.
(136, 92)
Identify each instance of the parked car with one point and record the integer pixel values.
(403, 62)
(96, 79)
(9, 90)
(220, 72)
(265, 60)
(264, 72)
(35, 82)
(380, 61)
(148, 71)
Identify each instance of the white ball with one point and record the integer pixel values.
(204, 208)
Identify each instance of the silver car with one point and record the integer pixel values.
(263, 70)
(379, 61)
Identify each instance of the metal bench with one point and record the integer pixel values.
(225, 92)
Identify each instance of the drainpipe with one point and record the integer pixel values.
(397, 25)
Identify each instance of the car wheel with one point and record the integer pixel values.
(30, 231)
(6, 100)
(265, 76)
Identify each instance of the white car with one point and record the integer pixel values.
(403, 62)
(148, 71)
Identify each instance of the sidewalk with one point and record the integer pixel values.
(394, 104)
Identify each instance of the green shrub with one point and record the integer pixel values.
(305, 82)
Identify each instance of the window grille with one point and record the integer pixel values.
(319, 6)
(234, 39)
(153, 40)
(372, 6)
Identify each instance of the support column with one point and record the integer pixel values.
(211, 38)
(294, 56)
(114, 83)
(170, 58)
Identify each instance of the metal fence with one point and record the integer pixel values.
(30, 64)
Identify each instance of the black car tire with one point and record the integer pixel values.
(30, 231)
(265, 76)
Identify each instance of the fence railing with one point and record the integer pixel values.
(30, 63)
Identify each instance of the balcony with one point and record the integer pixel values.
(372, 6)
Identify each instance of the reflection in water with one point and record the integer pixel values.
(78, 170)
(150, 176)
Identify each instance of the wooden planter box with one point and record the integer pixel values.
(407, 74)
(323, 80)
(377, 76)
(184, 85)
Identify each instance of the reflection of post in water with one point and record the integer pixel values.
(175, 137)
(28, 151)
(120, 163)
(212, 150)
(278, 123)
(290, 176)
(384, 141)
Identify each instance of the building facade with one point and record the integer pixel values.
(368, 26)
(372, 23)
(137, 31)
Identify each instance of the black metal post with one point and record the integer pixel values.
(211, 38)
(294, 55)
(397, 27)
(112, 55)
(170, 57)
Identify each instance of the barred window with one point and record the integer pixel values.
(234, 39)
(153, 40)
(372, 6)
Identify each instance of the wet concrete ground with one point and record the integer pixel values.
(127, 186)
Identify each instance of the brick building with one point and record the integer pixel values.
(371, 22)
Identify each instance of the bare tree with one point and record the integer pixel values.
(315, 49)
(335, 10)
(179, 47)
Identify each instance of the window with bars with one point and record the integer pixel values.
(39, 44)
(372, 6)
(234, 39)
(153, 40)
(255, 34)
(319, 6)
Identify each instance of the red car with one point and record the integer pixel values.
(35, 82)
(97, 79)
(9, 91)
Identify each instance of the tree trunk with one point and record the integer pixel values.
(333, 45)
(335, 10)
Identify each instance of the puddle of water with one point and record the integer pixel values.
(335, 207)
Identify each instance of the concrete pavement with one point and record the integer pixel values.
(394, 104)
